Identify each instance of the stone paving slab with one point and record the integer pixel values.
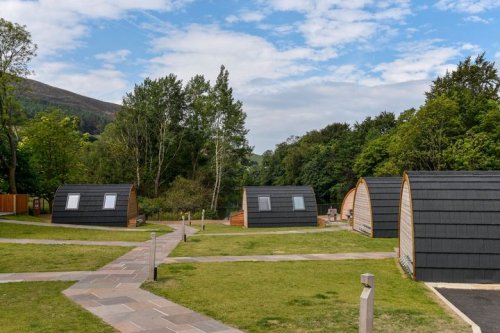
(44, 276)
(68, 242)
(72, 226)
(284, 232)
(114, 295)
(284, 257)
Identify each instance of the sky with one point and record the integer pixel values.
(296, 65)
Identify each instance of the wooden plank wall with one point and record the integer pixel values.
(362, 220)
(237, 219)
(14, 203)
(347, 204)
(406, 227)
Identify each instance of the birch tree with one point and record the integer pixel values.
(228, 140)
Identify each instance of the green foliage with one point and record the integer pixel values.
(54, 145)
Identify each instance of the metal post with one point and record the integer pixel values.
(184, 239)
(366, 303)
(189, 218)
(203, 220)
(152, 257)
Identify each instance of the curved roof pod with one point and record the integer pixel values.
(376, 206)
(347, 204)
(450, 226)
(279, 206)
(91, 204)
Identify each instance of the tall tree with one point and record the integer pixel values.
(16, 50)
(54, 145)
(228, 132)
(151, 125)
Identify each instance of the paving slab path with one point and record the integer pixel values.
(73, 226)
(285, 232)
(284, 257)
(115, 295)
(70, 242)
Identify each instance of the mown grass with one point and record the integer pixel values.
(25, 218)
(216, 228)
(325, 242)
(12, 230)
(18, 258)
(40, 307)
(320, 296)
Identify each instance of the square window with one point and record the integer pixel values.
(298, 203)
(264, 203)
(73, 201)
(109, 201)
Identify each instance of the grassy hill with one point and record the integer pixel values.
(94, 114)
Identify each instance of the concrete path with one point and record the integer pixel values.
(114, 295)
(44, 276)
(284, 257)
(285, 232)
(70, 242)
(73, 226)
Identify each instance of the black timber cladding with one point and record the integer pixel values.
(282, 213)
(90, 210)
(456, 219)
(384, 200)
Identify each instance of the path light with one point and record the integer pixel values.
(203, 220)
(152, 258)
(366, 303)
(184, 239)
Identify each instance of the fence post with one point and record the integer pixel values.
(152, 257)
(366, 303)
(184, 239)
(203, 220)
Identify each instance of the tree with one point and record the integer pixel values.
(151, 126)
(16, 50)
(228, 132)
(54, 145)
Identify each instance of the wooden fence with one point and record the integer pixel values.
(14, 203)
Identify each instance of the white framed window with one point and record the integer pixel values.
(298, 203)
(73, 201)
(264, 203)
(109, 201)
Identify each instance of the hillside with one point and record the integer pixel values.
(94, 114)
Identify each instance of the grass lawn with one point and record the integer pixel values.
(11, 230)
(325, 242)
(319, 296)
(18, 258)
(25, 218)
(40, 307)
(222, 228)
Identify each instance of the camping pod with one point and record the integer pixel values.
(347, 204)
(113, 205)
(376, 206)
(450, 226)
(279, 206)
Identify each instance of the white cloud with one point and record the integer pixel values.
(61, 25)
(467, 6)
(113, 57)
(335, 22)
(105, 83)
(477, 19)
(304, 107)
(248, 58)
(246, 16)
(421, 61)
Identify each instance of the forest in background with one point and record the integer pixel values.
(184, 144)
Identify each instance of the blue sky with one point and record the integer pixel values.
(297, 65)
